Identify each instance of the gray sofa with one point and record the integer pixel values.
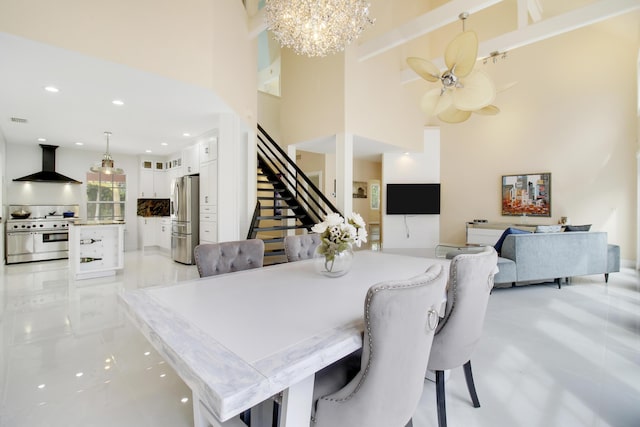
(542, 257)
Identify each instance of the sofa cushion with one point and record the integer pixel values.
(548, 228)
(585, 227)
(510, 230)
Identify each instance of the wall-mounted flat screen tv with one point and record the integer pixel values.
(413, 199)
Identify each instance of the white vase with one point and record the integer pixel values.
(333, 266)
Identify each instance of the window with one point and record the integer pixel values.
(105, 196)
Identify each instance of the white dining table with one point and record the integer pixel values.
(240, 338)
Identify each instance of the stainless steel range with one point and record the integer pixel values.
(37, 239)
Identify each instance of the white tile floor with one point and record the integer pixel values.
(549, 357)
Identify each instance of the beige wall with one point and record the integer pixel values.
(377, 106)
(368, 172)
(269, 115)
(312, 96)
(363, 170)
(201, 42)
(572, 113)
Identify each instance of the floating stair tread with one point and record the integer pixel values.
(280, 227)
(281, 216)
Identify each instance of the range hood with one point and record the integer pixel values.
(48, 172)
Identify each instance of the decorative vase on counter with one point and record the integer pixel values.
(333, 264)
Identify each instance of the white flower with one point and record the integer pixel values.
(337, 234)
(357, 220)
(333, 219)
(319, 228)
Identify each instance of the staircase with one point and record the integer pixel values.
(287, 201)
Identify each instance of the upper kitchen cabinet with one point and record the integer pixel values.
(191, 159)
(153, 179)
(208, 148)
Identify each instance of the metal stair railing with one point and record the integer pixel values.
(308, 196)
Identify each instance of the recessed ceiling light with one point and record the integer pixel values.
(42, 139)
(79, 143)
(148, 151)
(117, 102)
(41, 386)
(164, 144)
(186, 134)
(51, 89)
(79, 374)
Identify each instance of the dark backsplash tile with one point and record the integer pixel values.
(153, 207)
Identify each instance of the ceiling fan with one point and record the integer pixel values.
(463, 90)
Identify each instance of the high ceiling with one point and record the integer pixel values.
(156, 110)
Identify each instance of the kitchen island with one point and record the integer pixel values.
(96, 248)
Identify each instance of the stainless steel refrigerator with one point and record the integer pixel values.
(185, 218)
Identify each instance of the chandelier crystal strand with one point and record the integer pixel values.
(317, 27)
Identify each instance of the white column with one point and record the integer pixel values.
(344, 172)
(251, 193)
(232, 184)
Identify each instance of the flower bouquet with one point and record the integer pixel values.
(337, 237)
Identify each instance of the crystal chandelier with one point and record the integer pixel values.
(317, 27)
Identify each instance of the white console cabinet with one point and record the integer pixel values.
(488, 233)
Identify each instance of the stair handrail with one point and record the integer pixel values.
(288, 165)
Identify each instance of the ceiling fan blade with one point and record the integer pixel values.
(489, 110)
(477, 91)
(425, 69)
(435, 101)
(453, 115)
(462, 53)
(430, 101)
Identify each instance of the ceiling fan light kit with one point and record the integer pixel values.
(463, 90)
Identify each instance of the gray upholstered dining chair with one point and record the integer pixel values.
(301, 246)
(470, 283)
(400, 320)
(226, 257)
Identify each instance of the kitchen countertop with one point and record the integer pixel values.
(81, 222)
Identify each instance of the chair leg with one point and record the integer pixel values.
(442, 407)
(606, 277)
(276, 414)
(468, 375)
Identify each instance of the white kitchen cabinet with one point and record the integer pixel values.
(154, 184)
(209, 185)
(208, 231)
(191, 159)
(165, 233)
(208, 149)
(148, 229)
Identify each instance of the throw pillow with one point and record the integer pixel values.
(510, 230)
(548, 228)
(586, 227)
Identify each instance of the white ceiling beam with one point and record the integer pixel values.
(421, 25)
(578, 18)
(523, 13)
(535, 10)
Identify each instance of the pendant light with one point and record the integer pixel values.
(107, 167)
